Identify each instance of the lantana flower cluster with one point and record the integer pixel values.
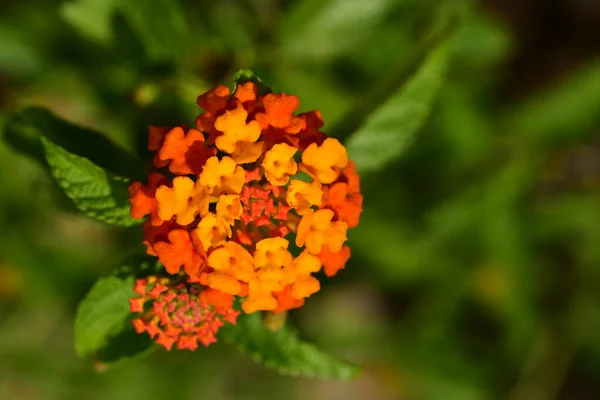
(250, 203)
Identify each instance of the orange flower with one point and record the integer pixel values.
(334, 261)
(279, 110)
(181, 314)
(316, 229)
(325, 161)
(304, 283)
(227, 221)
(348, 206)
(143, 200)
(216, 298)
(214, 100)
(350, 176)
(302, 195)
(153, 234)
(246, 92)
(185, 199)
(222, 176)
(285, 301)
(311, 134)
(187, 153)
(231, 264)
(279, 164)
(179, 252)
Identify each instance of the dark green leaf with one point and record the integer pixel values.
(284, 351)
(245, 75)
(126, 346)
(24, 129)
(389, 130)
(98, 193)
(138, 266)
(564, 112)
(160, 25)
(102, 313)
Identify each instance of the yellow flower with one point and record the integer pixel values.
(239, 138)
(272, 252)
(325, 162)
(231, 264)
(229, 207)
(185, 199)
(304, 283)
(316, 229)
(302, 195)
(222, 176)
(213, 231)
(279, 164)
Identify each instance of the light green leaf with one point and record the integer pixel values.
(91, 17)
(98, 193)
(284, 351)
(389, 130)
(102, 313)
(327, 28)
(566, 111)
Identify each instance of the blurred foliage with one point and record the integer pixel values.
(475, 267)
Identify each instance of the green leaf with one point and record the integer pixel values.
(91, 17)
(245, 75)
(103, 322)
(567, 111)
(138, 266)
(322, 29)
(102, 313)
(126, 346)
(98, 193)
(24, 129)
(284, 351)
(160, 25)
(388, 131)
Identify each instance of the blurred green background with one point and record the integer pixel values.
(476, 266)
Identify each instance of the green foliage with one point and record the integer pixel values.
(319, 29)
(125, 347)
(24, 129)
(245, 75)
(474, 269)
(98, 193)
(388, 131)
(160, 25)
(552, 116)
(103, 322)
(102, 313)
(284, 350)
(91, 17)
